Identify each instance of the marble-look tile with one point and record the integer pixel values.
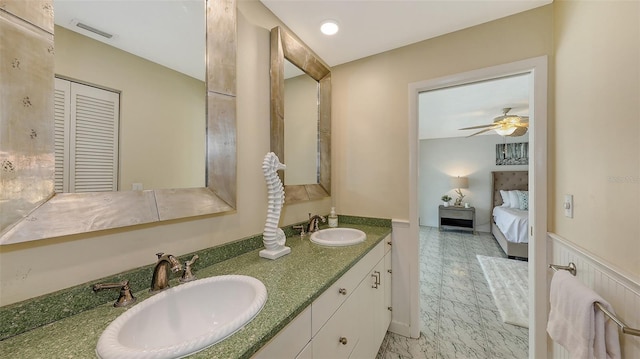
(451, 350)
(458, 316)
(401, 347)
(462, 295)
(454, 252)
(455, 331)
(492, 321)
(430, 272)
(485, 300)
(460, 312)
(431, 287)
(481, 286)
(457, 281)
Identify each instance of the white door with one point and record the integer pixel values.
(86, 138)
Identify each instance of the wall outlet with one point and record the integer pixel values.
(136, 186)
(568, 205)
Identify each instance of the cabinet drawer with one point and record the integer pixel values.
(457, 214)
(325, 305)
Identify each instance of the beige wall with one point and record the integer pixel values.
(596, 136)
(370, 105)
(162, 112)
(301, 130)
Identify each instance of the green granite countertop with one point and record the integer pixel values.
(292, 283)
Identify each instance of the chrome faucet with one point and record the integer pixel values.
(160, 279)
(314, 222)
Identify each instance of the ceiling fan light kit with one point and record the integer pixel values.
(505, 125)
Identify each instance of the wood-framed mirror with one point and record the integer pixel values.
(285, 47)
(30, 209)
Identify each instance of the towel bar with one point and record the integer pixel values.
(625, 328)
(571, 268)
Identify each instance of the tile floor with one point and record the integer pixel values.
(458, 316)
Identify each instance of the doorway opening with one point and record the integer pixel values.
(537, 68)
(461, 263)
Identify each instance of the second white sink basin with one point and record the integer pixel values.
(185, 319)
(338, 237)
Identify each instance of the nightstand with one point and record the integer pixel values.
(459, 218)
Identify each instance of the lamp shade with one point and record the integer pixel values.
(459, 182)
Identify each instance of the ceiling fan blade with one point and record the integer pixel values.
(476, 127)
(479, 132)
(520, 131)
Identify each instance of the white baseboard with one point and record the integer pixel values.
(400, 328)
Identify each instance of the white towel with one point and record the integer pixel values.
(575, 322)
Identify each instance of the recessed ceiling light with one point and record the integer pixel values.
(329, 27)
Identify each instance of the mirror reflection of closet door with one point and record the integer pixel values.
(86, 138)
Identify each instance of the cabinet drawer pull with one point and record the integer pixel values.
(342, 291)
(343, 340)
(376, 279)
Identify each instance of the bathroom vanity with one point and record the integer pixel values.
(316, 297)
(349, 319)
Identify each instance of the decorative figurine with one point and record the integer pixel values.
(273, 237)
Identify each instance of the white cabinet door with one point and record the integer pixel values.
(307, 352)
(328, 302)
(290, 341)
(341, 333)
(371, 317)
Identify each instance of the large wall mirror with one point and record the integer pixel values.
(201, 127)
(300, 117)
(156, 69)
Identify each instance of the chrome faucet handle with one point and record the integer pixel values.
(188, 276)
(125, 298)
(301, 228)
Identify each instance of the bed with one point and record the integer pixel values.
(513, 238)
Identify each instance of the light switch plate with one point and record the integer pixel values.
(568, 205)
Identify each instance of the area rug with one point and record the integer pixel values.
(509, 283)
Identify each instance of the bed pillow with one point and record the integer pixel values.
(514, 200)
(505, 198)
(523, 197)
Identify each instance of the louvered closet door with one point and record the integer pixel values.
(61, 112)
(90, 140)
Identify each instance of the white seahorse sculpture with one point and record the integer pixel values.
(273, 237)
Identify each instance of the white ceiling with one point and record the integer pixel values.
(369, 27)
(443, 112)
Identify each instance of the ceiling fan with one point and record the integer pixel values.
(505, 125)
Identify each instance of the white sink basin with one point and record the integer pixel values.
(183, 319)
(337, 237)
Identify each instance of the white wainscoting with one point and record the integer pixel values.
(620, 289)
